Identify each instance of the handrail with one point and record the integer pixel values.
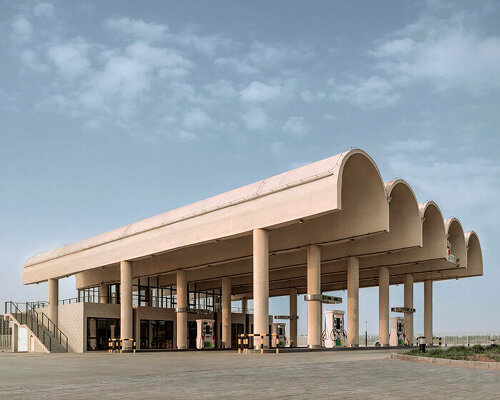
(34, 319)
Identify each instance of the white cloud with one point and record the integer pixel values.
(457, 186)
(21, 29)
(412, 145)
(30, 60)
(221, 88)
(238, 65)
(196, 118)
(255, 119)
(44, 10)
(148, 31)
(371, 92)
(277, 147)
(70, 58)
(204, 44)
(260, 92)
(447, 52)
(295, 126)
(187, 136)
(266, 55)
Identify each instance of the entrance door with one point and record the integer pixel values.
(236, 331)
(192, 335)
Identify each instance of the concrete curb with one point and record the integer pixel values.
(444, 361)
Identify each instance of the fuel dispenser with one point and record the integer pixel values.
(397, 336)
(205, 338)
(334, 334)
(279, 334)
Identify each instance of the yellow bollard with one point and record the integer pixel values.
(239, 345)
(261, 344)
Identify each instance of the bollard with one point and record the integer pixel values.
(261, 344)
(239, 345)
(439, 342)
(421, 344)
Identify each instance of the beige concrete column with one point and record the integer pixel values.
(15, 338)
(244, 306)
(383, 306)
(314, 306)
(226, 313)
(352, 302)
(182, 307)
(53, 300)
(126, 311)
(260, 284)
(408, 302)
(428, 333)
(293, 322)
(103, 293)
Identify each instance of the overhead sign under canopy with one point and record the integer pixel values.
(406, 310)
(325, 299)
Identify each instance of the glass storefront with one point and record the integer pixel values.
(100, 330)
(157, 334)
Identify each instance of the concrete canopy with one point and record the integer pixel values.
(339, 203)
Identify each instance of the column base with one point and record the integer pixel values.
(314, 346)
(385, 345)
(353, 345)
(181, 347)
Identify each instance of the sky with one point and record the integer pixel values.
(111, 112)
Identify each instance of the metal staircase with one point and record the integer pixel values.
(29, 315)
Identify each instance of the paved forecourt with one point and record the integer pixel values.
(225, 375)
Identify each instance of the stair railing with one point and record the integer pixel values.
(34, 320)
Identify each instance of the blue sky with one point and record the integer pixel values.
(114, 111)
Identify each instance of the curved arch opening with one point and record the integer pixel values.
(433, 231)
(474, 254)
(363, 203)
(405, 224)
(456, 252)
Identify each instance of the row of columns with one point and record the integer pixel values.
(261, 300)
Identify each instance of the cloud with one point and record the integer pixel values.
(221, 88)
(447, 52)
(366, 92)
(260, 92)
(71, 58)
(295, 126)
(148, 31)
(255, 119)
(21, 29)
(238, 65)
(458, 186)
(44, 10)
(187, 136)
(412, 145)
(31, 60)
(196, 118)
(277, 147)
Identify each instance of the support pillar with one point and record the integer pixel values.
(226, 313)
(53, 300)
(408, 303)
(293, 321)
(428, 332)
(260, 284)
(314, 288)
(103, 293)
(15, 338)
(182, 308)
(383, 306)
(244, 306)
(126, 311)
(352, 302)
